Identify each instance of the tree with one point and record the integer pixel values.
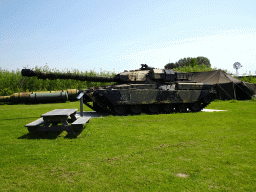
(188, 61)
(183, 62)
(170, 66)
(203, 60)
(193, 62)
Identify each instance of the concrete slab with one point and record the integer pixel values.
(212, 110)
(91, 114)
(94, 114)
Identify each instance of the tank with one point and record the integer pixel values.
(147, 90)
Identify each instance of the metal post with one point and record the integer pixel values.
(80, 96)
(81, 107)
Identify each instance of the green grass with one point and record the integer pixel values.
(133, 153)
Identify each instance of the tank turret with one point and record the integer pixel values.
(147, 89)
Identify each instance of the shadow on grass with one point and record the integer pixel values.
(50, 135)
(20, 118)
(76, 134)
(41, 135)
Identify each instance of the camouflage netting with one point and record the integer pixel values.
(227, 86)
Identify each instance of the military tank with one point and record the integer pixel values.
(147, 89)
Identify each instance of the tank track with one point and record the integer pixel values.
(102, 105)
(128, 112)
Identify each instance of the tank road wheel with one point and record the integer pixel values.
(195, 107)
(120, 109)
(153, 109)
(168, 108)
(183, 108)
(208, 99)
(136, 109)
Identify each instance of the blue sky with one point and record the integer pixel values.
(118, 35)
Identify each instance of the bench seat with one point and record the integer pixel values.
(35, 123)
(79, 123)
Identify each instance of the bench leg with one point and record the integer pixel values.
(73, 117)
(70, 132)
(32, 129)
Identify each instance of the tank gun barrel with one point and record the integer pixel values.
(49, 75)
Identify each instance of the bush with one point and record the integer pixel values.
(189, 61)
(249, 79)
(196, 68)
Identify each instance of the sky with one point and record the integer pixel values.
(118, 35)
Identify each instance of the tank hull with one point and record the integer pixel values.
(121, 99)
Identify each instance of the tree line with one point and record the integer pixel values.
(189, 61)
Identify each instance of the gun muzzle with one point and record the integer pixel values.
(28, 72)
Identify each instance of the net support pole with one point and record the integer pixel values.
(234, 90)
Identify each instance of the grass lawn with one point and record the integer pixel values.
(205, 151)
